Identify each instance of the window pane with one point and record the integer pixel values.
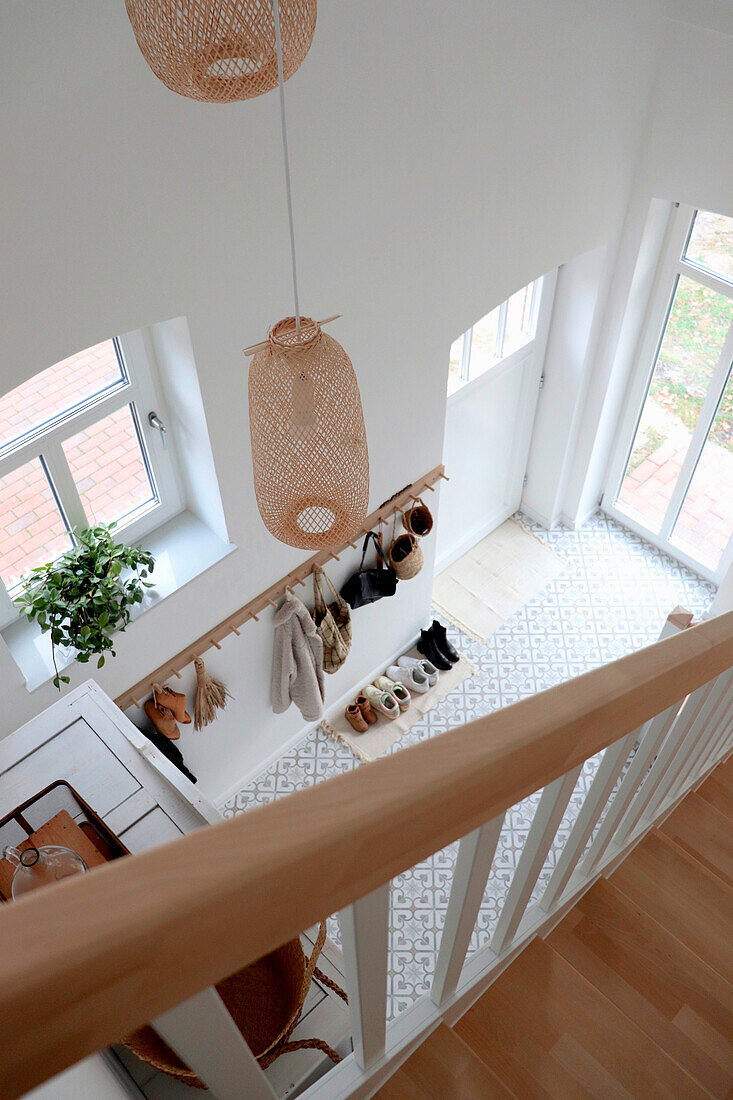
(454, 368)
(705, 521)
(32, 530)
(711, 244)
(57, 390)
(696, 330)
(109, 469)
(519, 321)
(483, 344)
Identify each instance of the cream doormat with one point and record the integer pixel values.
(497, 577)
(382, 735)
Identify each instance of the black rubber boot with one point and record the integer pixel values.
(429, 648)
(441, 640)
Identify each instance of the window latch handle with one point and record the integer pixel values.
(155, 422)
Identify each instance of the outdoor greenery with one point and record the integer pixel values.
(645, 446)
(83, 598)
(697, 328)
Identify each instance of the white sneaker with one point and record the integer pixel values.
(413, 678)
(383, 702)
(420, 662)
(396, 688)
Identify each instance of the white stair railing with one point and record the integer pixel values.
(662, 759)
(413, 803)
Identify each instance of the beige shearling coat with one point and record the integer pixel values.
(297, 661)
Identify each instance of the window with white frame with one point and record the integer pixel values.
(76, 450)
(671, 475)
(497, 336)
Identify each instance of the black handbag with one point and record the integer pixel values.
(368, 585)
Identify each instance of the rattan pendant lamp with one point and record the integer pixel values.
(309, 448)
(220, 51)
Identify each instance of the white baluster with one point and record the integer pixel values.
(710, 748)
(655, 732)
(704, 730)
(364, 937)
(603, 783)
(718, 752)
(673, 753)
(473, 867)
(550, 810)
(650, 737)
(203, 1034)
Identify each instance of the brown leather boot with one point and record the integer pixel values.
(174, 701)
(356, 719)
(367, 710)
(162, 719)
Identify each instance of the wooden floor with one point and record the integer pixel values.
(631, 995)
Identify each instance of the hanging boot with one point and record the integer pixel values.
(174, 701)
(162, 719)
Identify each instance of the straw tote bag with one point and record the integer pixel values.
(405, 554)
(333, 623)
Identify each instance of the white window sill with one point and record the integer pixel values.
(183, 548)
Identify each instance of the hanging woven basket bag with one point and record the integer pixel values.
(405, 555)
(265, 1000)
(418, 519)
(333, 623)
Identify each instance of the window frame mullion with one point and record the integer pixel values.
(62, 482)
(8, 611)
(501, 330)
(466, 354)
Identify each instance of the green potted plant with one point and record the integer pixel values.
(83, 597)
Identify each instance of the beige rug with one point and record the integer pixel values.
(495, 579)
(380, 737)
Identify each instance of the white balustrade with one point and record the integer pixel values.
(649, 770)
(473, 866)
(203, 1034)
(365, 937)
(552, 805)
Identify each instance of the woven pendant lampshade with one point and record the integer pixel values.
(220, 51)
(309, 449)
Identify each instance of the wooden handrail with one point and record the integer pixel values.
(99, 955)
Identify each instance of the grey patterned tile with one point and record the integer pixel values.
(612, 599)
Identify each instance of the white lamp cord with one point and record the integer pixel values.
(281, 83)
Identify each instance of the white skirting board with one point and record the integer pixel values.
(291, 742)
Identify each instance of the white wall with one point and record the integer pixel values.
(442, 154)
(685, 157)
(567, 367)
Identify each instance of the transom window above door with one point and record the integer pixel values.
(672, 476)
(497, 336)
(76, 450)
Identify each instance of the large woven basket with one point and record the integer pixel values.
(406, 556)
(265, 1001)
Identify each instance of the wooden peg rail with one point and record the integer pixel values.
(252, 610)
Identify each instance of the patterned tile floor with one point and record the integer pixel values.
(612, 599)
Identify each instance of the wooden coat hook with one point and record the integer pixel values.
(252, 610)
